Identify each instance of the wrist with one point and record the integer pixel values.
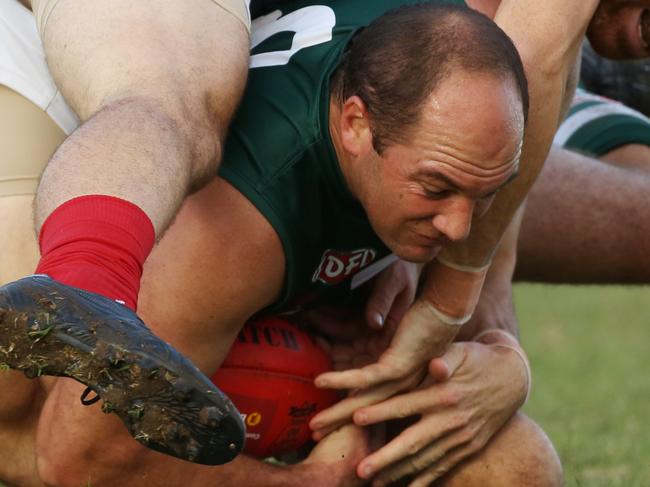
(493, 336)
(452, 290)
(502, 339)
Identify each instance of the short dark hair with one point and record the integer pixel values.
(398, 61)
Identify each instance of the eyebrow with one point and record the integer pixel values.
(441, 177)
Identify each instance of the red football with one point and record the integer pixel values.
(269, 374)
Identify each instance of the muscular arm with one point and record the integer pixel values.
(549, 69)
(495, 308)
(502, 372)
(107, 456)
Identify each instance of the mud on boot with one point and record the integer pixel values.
(167, 404)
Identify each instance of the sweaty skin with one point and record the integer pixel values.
(250, 277)
(202, 263)
(422, 334)
(128, 463)
(424, 194)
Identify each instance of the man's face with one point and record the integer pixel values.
(421, 194)
(620, 29)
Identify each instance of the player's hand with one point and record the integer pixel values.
(393, 291)
(364, 349)
(469, 394)
(418, 337)
(334, 459)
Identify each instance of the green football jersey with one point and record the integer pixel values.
(596, 125)
(279, 153)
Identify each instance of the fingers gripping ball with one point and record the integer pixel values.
(269, 374)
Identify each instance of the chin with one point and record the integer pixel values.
(419, 254)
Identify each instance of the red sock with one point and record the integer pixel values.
(97, 243)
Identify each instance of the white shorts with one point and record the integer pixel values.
(239, 8)
(34, 118)
(23, 67)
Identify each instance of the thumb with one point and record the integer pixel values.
(442, 368)
(382, 298)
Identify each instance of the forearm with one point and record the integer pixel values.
(549, 47)
(75, 443)
(495, 308)
(494, 322)
(243, 471)
(155, 470)
(548, 36)
(251, 472)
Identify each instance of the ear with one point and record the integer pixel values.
(356, 136)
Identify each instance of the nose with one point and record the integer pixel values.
(455, 221)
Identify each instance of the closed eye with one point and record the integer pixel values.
(437, 195)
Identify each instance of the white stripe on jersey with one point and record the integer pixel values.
(372, 270)
(581, 117)
(312, 25)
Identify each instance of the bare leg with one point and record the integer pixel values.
(17, 235)
(28, 137)
(156, 100)
(587, 220)
(519, 454)
(37, 446)
(46, 448)
(20, 403)
(20, 398)
(155, 86)
(45, 433)
(200, 313)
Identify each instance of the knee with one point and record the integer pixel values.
(180, 125)
(519, 454)
(535, 462)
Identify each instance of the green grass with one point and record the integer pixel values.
(591, 367)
